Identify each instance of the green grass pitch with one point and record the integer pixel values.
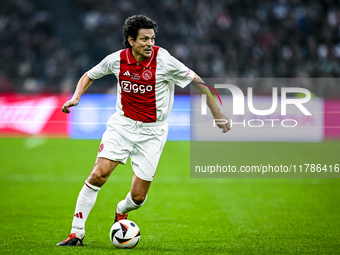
(40, 180)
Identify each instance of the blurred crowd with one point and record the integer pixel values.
(230, 38)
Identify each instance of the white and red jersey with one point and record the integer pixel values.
(145, 89)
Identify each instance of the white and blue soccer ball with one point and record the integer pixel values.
(125, 234)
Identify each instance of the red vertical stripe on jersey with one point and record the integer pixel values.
(137, 81)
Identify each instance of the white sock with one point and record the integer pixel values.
(127, 205)
(86, 200)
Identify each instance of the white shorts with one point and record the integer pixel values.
(143, 142)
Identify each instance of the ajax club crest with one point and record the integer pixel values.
(147, 75)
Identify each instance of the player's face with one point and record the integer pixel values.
(143, 45)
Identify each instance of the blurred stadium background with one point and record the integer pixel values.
(45, 46)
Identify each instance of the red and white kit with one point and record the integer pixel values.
(145, 96)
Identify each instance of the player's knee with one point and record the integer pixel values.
(138, 199)
(97, 179)
(99, 174)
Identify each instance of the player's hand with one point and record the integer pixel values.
(224, 125)
(68, 104)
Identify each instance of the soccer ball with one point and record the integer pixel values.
(124, 234)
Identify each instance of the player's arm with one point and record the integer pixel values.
(215, 111)
(83, 84)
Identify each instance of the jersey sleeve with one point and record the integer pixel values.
(176, 71)
(108, 65)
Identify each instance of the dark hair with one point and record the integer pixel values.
(133, 24)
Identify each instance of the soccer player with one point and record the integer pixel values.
(146, 76)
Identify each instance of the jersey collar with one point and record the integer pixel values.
(144, 63)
